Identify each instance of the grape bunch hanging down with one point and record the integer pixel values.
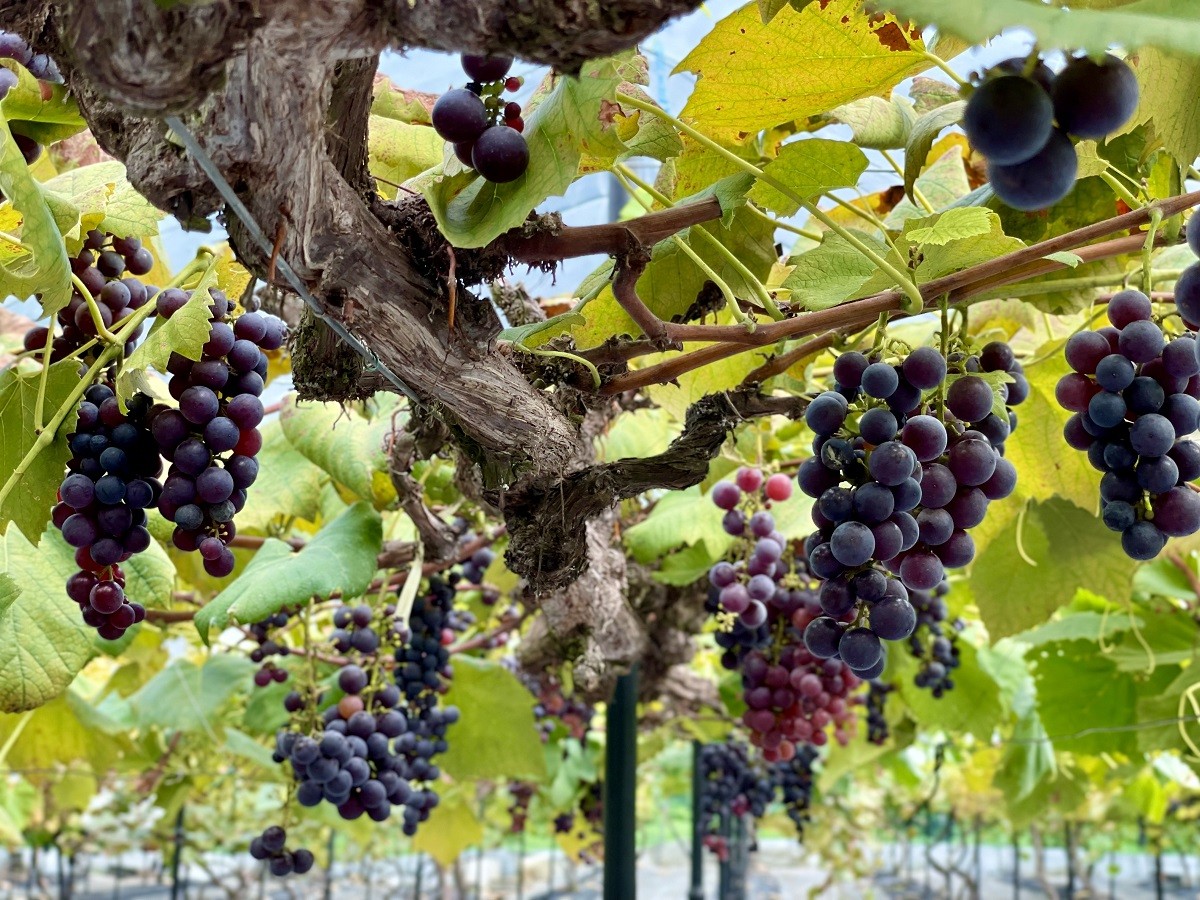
(764, 600)
(212, 439)
(795, 780)
(734, 785)
(878, 731)
(900, 477)
(112, 481)
(484, 129)
(1134, 397)
(931, 644)
(270, 847)
(268, 647)
(1022, 118)
(110, 268)
(372, 750)
(41, 67)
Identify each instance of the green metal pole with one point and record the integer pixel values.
(696, 890)
(620, 792)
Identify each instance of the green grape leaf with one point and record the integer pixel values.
(185, 332)
(832, 272)
(39, 110)
(452, 827)
(1168, 24)
(1070, 549)
(680, 518)
(808, 168)
(954, 225)
(495, 737)
(568, 120)
(345, 444)
(1169, 83)
(104, 199)
(288, 483)
(189, 697)
(47, 642)
(879, 123)
(400, 150)
(44, 267)
(941, 185)
(1027, 761)
(150, 577)
(973, 707)
(30, 495)
(924, 133)
(753, 76)
(341, 557)
(1079, 689)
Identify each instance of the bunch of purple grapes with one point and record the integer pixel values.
(878, 731)
(212, 439)
(423, 674)
(485, 130)
(795, 780)
(733, 786)
(899, 479)
(268, 647)
(930, 644)
(1134, 394)
(1022, 118)
(41, 67)
(270, 847)
(110, 268)
(354, 760)
(112, 481)
(766, 602)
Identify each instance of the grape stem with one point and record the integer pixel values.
(39, 416)
(46, 437)
(101, 329)
(1018, 265)
(625, 176)
(1156, 217)
(764, 298)
(1120, 190)
(910, 290)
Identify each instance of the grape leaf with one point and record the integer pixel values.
(44, 267)
(1169, 84)
(1078, 689)
(46, 640)
(346, 445)
(45, 112)
(753, 76)
(495, 737)
(189, 697)
(878, 123)
(921, 139)
(954, 225)
(31, 496)
(1168, 24)
(809, 168)
(451, 829)
(831, 273)
(679, 518)
(185, 332)
(106, 200)
(1071, 549)
(972, 707)
(288, 484)
(399, 151)
(569, 120)
(941, 185)
(341, 557)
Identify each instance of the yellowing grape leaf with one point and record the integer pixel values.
(1170, 85)
(753, 76)
(1169, 24)
(808, 168)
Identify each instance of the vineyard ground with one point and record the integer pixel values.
(779, 871)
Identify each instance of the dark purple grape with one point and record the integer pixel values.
(192, 457)
(891, 463)
(1009, 119)
(485, 69)
(880, 380)
(893, 619)
(1084, 351)
(921, 570)
(970, 398)
(1040, 181)
(826, 413)
(852, 544)
(500, 154)
(1142, 540)
(1128, 306)
(459, 115)
(1114, 372)
(199, 404)
(1152, 435)
(221, 434)
(877, 426)
(849, 367)
(214, 485)
(1094, 99)
(822, 637)
(925, 436)
(859, 648)
(925, 368)
(1141, 341)
(244, 356)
